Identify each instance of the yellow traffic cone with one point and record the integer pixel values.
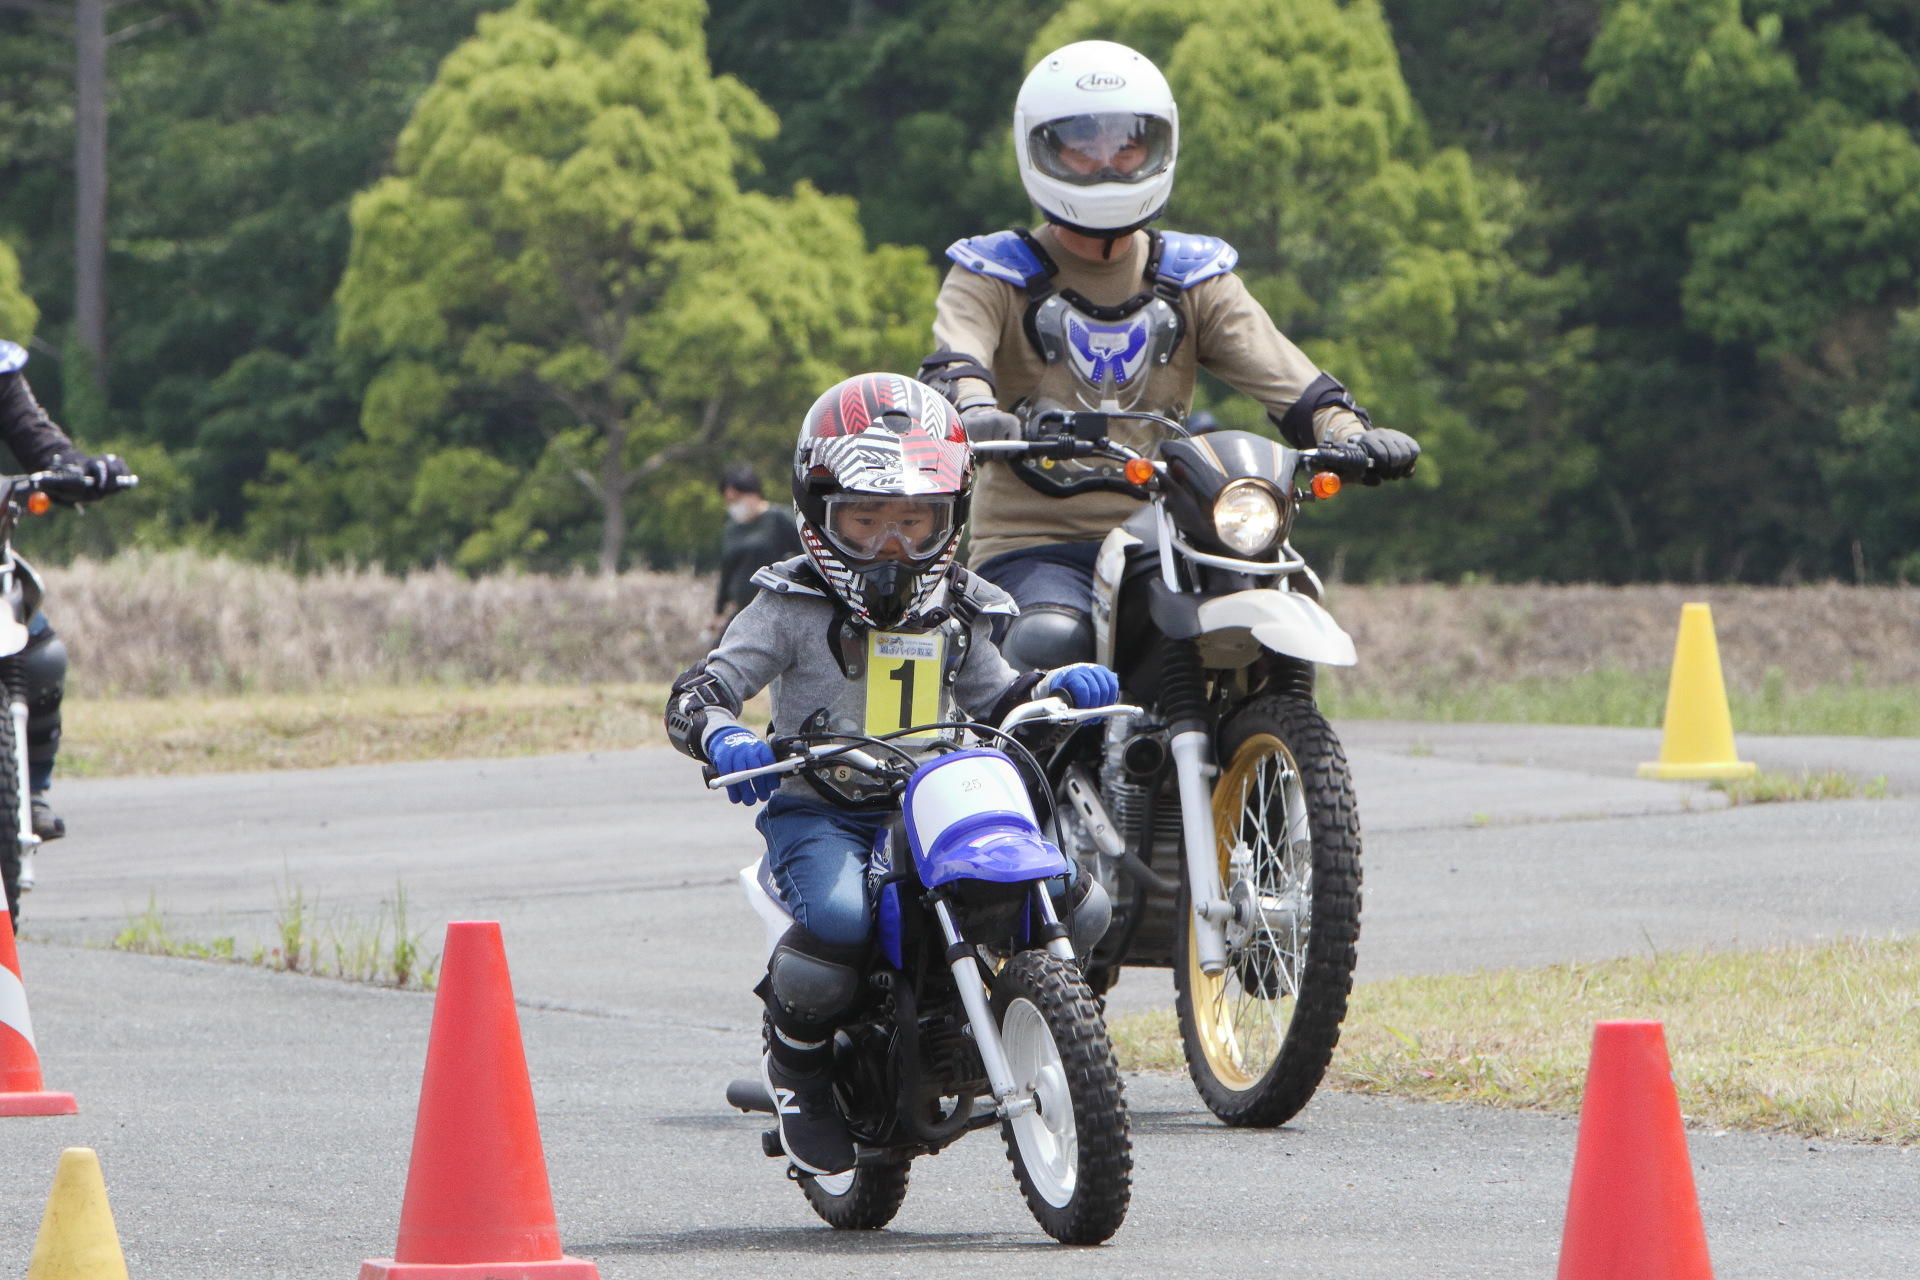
(76, 1240)
(1697, 741)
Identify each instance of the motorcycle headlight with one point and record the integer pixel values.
(1246, 515)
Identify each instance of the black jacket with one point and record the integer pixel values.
(34, 438)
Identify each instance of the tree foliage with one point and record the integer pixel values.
(1639, 273)
(18, 315)
(563, 294)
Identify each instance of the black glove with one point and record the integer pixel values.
(1393, 453)
(105, 473)
(985, 422)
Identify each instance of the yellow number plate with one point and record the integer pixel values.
(903, 680)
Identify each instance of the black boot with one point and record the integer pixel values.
(812, 1130)
(47, 824)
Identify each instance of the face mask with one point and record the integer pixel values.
(740, 512)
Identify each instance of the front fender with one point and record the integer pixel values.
(1283, 621)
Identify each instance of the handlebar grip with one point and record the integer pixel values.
(1348, 461)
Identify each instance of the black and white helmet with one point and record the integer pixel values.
(1096, 134)
(882, 477)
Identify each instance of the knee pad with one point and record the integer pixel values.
(44, 664)
(1089, 912)
(1046, 636)
(810, 982)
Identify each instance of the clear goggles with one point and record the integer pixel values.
(1114, 146)
(867, 527)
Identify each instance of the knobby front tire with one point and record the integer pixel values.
(1258, 1037)
(1073, 1154)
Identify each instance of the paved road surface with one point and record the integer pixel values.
(257, 1124)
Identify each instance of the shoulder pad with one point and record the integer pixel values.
(1004, 255)
(13, 357)
(1187, 259)
(982, 596)
(792, 576)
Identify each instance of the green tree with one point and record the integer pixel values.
(904, 104)
(563, 293)
(1396, 265)
(18, 315)
(1735, 181)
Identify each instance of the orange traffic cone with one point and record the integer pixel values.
(20, 1086)
(1632, 1213)
(478, 1202)
(1696, 739)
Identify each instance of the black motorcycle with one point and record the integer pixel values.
(1222, 820)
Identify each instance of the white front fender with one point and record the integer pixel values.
(13, 637)
(1285, 622)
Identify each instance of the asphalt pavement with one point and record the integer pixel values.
(257, 1124)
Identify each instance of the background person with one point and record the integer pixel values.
(757, 534)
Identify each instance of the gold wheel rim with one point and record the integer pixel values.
(1240, 1030)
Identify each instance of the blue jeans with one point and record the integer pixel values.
(817, 853)
(1053, 585)
(1060, 575)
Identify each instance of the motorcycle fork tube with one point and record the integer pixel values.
(963, 960)
(1050, 927)
(1183, 694)
(23, 818)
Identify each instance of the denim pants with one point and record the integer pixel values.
(1061, 574)
(817, 853)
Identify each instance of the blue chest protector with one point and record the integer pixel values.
(1098, 357)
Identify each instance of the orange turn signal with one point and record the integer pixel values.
(1138, 471)
(37, 503)
(1325, 485)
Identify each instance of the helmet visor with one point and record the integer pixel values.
(864, 527)
(1112, 146)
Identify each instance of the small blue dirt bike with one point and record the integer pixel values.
(975, 1010)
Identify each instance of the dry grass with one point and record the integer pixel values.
(157, 624)
(1813, 636)
(151, 625)
(1817, 1040)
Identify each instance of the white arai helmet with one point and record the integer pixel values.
(1096, 133)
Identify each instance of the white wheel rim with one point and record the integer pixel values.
(1048, 1140)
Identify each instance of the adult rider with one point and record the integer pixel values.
(40, 445)
(1093, 311)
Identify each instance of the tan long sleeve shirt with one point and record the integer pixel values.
(1228, 334)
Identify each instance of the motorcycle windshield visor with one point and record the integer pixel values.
(869, 528)
(1113, 146)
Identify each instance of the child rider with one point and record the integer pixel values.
(872, 630)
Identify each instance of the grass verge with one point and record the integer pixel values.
(1819, 1041)
(123, 736)
(1614, 696)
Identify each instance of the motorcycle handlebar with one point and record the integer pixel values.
(1348, 461)
(852, 755)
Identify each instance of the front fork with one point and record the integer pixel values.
(1011, 1096)
(1194, 769)
(17, 707)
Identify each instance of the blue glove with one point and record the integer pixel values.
(730, 750)
(1085, 684)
